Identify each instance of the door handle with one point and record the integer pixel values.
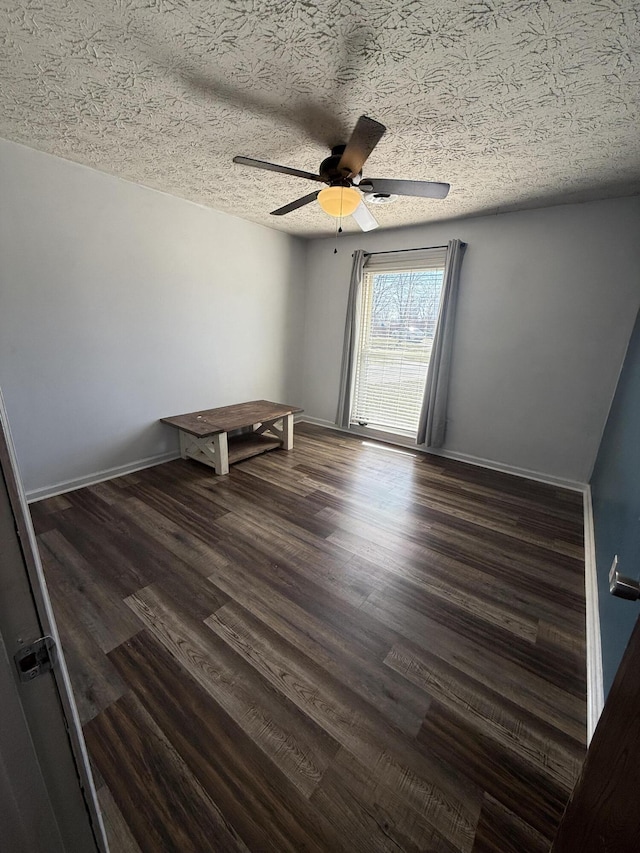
(622, 586)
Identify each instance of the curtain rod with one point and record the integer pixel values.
(397, 251)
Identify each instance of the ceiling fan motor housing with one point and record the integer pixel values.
(329, 171)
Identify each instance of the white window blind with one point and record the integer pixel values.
(398, 315)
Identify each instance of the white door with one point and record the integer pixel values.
(49, 802)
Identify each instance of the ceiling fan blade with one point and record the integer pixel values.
(364, 217)
(274, 167)
(389, 186)
(366, 135)
(294, 205)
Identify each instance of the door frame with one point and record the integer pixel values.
(45, 714)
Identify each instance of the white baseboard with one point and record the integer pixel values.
(595, 681)
(98, 477)
(572, 485)
(549, 479)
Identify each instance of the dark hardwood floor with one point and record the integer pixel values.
(345, 647)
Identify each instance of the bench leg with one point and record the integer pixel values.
(212, 451)
(221, 447)
(184, 444)
(284, 433)
(287, 432)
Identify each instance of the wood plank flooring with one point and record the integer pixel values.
(344, 647)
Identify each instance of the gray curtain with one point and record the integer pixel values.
(433, 417)
(343, 417)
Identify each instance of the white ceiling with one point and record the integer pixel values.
(516, 104)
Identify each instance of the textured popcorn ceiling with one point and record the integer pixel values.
(516, 104)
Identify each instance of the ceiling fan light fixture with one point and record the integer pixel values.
(339, 201)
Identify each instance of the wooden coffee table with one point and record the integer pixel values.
(204, 436)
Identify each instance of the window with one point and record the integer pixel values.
(397, 321)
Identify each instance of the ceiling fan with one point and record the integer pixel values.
(342, 172)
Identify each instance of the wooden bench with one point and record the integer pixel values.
(204, 436)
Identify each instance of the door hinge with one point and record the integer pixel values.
(36, 658)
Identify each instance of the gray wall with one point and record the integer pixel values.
(120, 305)
(547, 303)
(616, 508)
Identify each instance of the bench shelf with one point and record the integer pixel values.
(250, 444)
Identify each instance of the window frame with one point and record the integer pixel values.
(418, 260)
